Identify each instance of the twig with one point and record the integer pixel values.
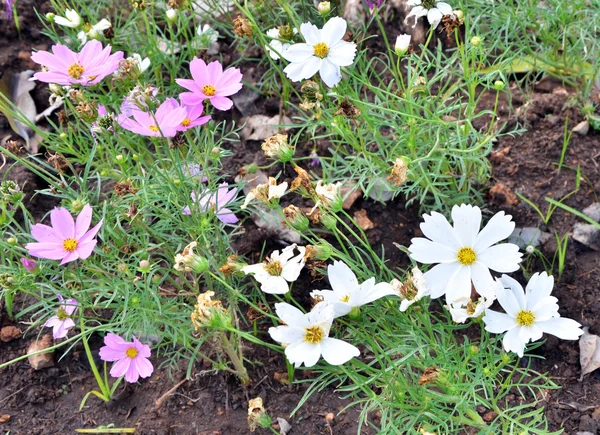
(162, 398)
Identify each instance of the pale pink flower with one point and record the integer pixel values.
(131, 357)
(212, 83)
(88, 67)
(162, 123)
(62, 322)
(65, 240)
(193, 116)
(217, 202)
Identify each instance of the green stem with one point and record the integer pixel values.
(235, 357)
(103, 386)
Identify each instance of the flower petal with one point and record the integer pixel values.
(497, 323)
(298, 53)
(303, 352)
(63, 223)
(428, 252)
(286, 334)
(483, 281)
(459, 285)
(539, 287)
(501, 258)
(498, 228)
(513, 343)
(291, 315)
(330, 73)
(438, 277)
(311, 33)
(333, 31)
(337, 352)
(437, 228)
(565, 329)
(341, 278)
(509, 302)
(467, 221)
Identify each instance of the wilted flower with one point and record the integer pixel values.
(529, 314)
(306, 336)
(465, 254)
(302, 183)
(132, 67)
(10, 192)
(206, 311)
(232, 266)
(324, 51)
(242, 27)
(9, 9)
(276, 271)
(62, 322)
(216, 202)
(295, 218)
(330, 194)
(347, 293)
(412, 290)
(105, 121)
(94, 31)
(71, 19)
(131, 357)
(311, 96)
(278, 147)
(139, 99)
(402, 44)
(268, 194)
(321, 251)
(212, 83)
(206, 35)
(188, 261)
(86, 68)
(165, 122)
(463, 310)
(257, 416)
(65, 240)
(399, 172)
(433, 9)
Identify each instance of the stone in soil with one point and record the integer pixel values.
(41, 360)
(9, 333)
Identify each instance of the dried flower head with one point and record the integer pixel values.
(268, 194)
(188, 261)
(233, 266)
(429, 376)
(295, 218)
(399, 172)
(278, 147)
(330, 195)
(257, 416)
(348, 110)
(57, 161)
(87, 111)
(242, 27)
(302, 183)
(124, 187)
(207, 311)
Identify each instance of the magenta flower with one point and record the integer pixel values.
(212, 83)
(164, 122)
(193, 118)
(29, 265)
(373, 3)
(9, 9)
(86, 68)
(131, 358)
(217, 202)
(65, 240)
(62, 322)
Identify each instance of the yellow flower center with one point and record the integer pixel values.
(321, 50)
(154, 128)
(313, 335)
(409, 290)
(471, 307)
(61, 314)
(466, 256)
(525, 318)
(274, 267)
(132, 352)
(70, 245)
(75, 70)
(186, 122)
(209, 90)
(345, 298)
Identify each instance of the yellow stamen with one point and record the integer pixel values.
(75, 70)
(186, 122)
(321, 50)
(209, 90)
(154, 128)
(525, 318)
(70, 245)
(313, 335)
(274, 267)
(345, 298)
(466, 256)
(132, 352)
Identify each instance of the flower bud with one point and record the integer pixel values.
(10, 192)
(473, 350)
(475, 41)
(6, 280)
(50, 17)
(322, 252)
(77, 205)
(402, 44)
(188, 261)
(324, 8)
(63, 135)
(499, 85)
(171, 15)
(30, 265)
(530, 249)
(120, 158)
(459, 14)
(295, 218)
(328, 221)
(11, 241)
(330, 195)
(144, 266)
(277, 147)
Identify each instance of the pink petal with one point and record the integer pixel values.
(109, 354)
(82, 224)
(120, 368)
(71, 256)
(48, 251)
(63, 223)
(143, 366)
(221, 103)
(214, 70)
(191, 98)
(50, 60)
(51, 322)
(45, 234)
(90, 51)
(87, 237)
(53, 77)
(199, 72)
(132, 374)
(63, 52)
(227, 216)
(188, 84)
(116, 341)
(84, 250)
(71, 306)
(59, 330)
(143, 349)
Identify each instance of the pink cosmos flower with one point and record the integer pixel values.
(164, 122)
(131, 357)
(65, 240)
(62, 322)
(212, 83)
(216, 201)
(193, 118)
(86, 68)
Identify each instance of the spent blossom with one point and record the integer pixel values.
(330, 195)
(278, 270)
(268, 193)
(86, 68)
(306, 336)
(281, 41)
(210, 82)
(529, 314)
(188, 260)
(412, 290)
(347, 293)
(325, 52)
(216, 202)
(465, 254)
(66, 239)
(433, 9)
(62, 321)
(131, 358)
(463, 310)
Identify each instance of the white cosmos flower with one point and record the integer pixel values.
(433, 9)
(412, 290)
(307, 336)
(463, 310)
(277, 47)
(402, 44)
(71, 19)
(324, 51)
(529, 314)
(275, 272)
(347, 293)
(465, 254)
(94, 31)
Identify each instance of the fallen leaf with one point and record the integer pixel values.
(363, 221)
(498, 156)
(259, 127)
(589, 353)
(4, 418)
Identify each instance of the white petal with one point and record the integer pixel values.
(294, 73)
(376, 292)
(297, 52)
(311, 66)
(333, 299)
(459, 285)
(530, 333)
(513, 343)
(499, 227)
(428, 252)
(333, 31)
(516, 288)
(509, 302)
(291, 315)
(291, 271)
(497, 323)
(545, 309)
(437, 228)
(311, 33)
(565, 329)
(501, 258)
(330, 73)
(444, 8)
(337, 352)
(417, 12)
(303, 352)
(482, 280)
(467, 220)
(434, 16)
(438, 277)
(322, 314)
(275, 285)
(342, 54)
(406, 303)
(341, 278)
(459, 315)
(539, 287)
(286, 253)
(258, 268)
(286, 335)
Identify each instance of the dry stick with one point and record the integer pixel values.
(162, 398)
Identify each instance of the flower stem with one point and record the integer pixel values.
(235, 357)
(106, 395)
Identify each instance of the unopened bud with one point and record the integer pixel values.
(171, 15)
(120, 158)
(475, 41)
(30, 265)
(144, 266)
(11, 241)
(50, 17)
(499, 85)
(77, 205)
(324, 8)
